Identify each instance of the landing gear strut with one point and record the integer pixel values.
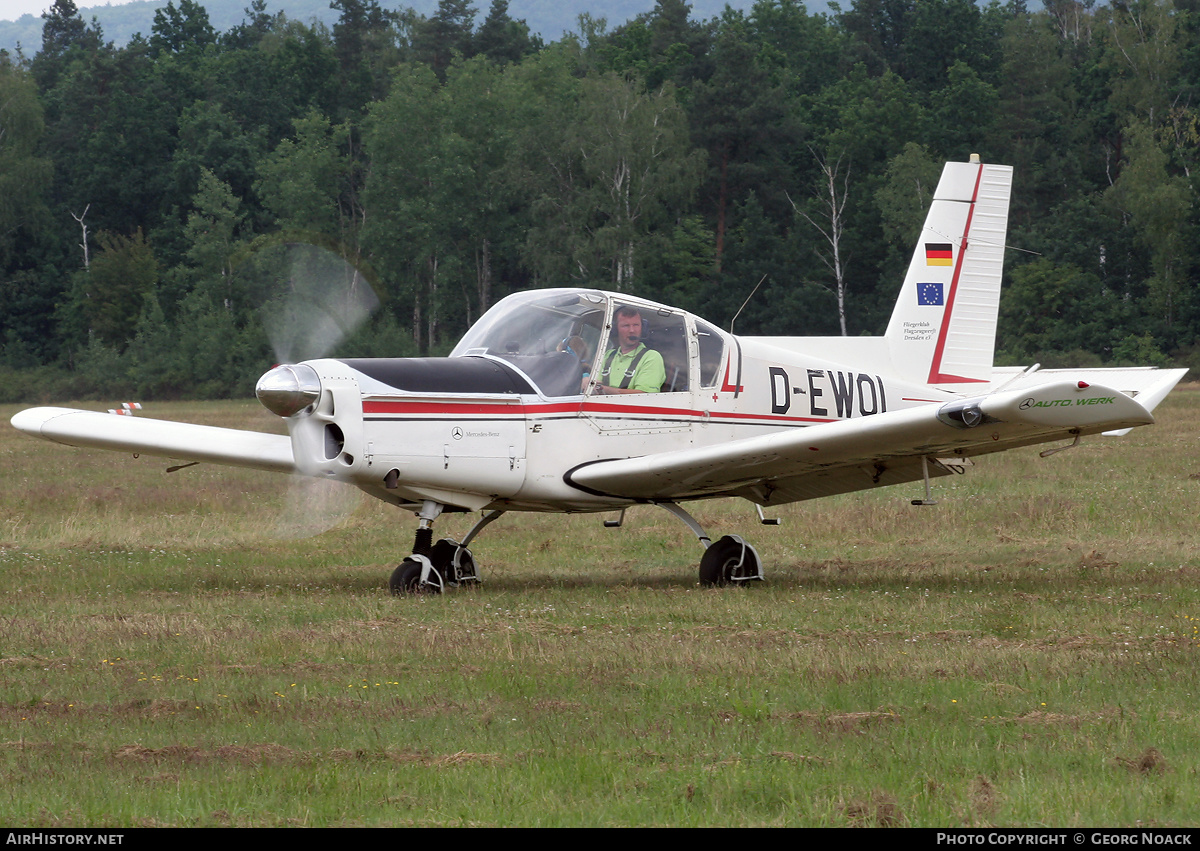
(433, 567)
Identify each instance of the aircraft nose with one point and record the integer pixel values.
(288, 389)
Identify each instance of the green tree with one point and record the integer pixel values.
(28, 282)
(159, 366)
(1050, 309)
(616, 168)
(661, 45)
(255, 27)
(444, 216)
(1142, 52)
(313, 185)
(503, 39)
(210, 138)
(183, 29)
(904, 199)
(801, 53)
(64, 28)
(865, 121)
(110, 129)
(24, 173)
(870, 118)
(962, 114)
(449, 32)
(110, 294)
(220, 344)
(212, 230)
(65, 39)
(741, 117)
(485, 215)
(1039, 128)
(940, 34)
(402, 192)
(367, 42)
(1158, 204)
(879, 29)
(263, 85)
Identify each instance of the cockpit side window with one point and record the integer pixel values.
(663, 332)
(712, 352)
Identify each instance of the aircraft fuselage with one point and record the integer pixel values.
(475, 430)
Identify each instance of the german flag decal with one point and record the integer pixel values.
(938, 254)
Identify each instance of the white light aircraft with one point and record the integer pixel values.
(522, 417)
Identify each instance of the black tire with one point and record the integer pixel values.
(406, 580)
(724, 559)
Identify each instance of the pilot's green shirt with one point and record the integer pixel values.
(649, 376)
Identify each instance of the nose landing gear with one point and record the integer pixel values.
(433, 567)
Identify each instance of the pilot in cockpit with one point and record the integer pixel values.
(630, 367)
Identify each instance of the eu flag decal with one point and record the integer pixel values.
(930, 294)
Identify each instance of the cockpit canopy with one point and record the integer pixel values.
(557, 337)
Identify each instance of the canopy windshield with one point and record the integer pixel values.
(550, 335)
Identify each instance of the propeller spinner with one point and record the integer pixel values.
(288, 389)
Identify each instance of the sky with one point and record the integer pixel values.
(10, 10)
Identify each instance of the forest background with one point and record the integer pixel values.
(680, 159)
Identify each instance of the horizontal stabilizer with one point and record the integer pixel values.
(182, 441)
(1148, 384)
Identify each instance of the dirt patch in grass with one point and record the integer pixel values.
(189, 754)
(881, 809)
(984, 796)
(1149, 761)
(1074, 721)
(269, 753)
(845, 722)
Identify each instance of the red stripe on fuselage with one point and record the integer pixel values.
(507, 411)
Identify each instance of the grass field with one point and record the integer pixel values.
(1027, 652)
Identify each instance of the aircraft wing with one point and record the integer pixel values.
(867, 452)
(143, 435)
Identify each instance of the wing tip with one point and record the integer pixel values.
(32, 420)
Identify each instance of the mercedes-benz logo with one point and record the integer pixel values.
(1026, 403)
(457, 433)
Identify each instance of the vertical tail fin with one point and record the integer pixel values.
(943, 328)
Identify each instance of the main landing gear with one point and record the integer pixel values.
(433, 567)
(729, 560)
